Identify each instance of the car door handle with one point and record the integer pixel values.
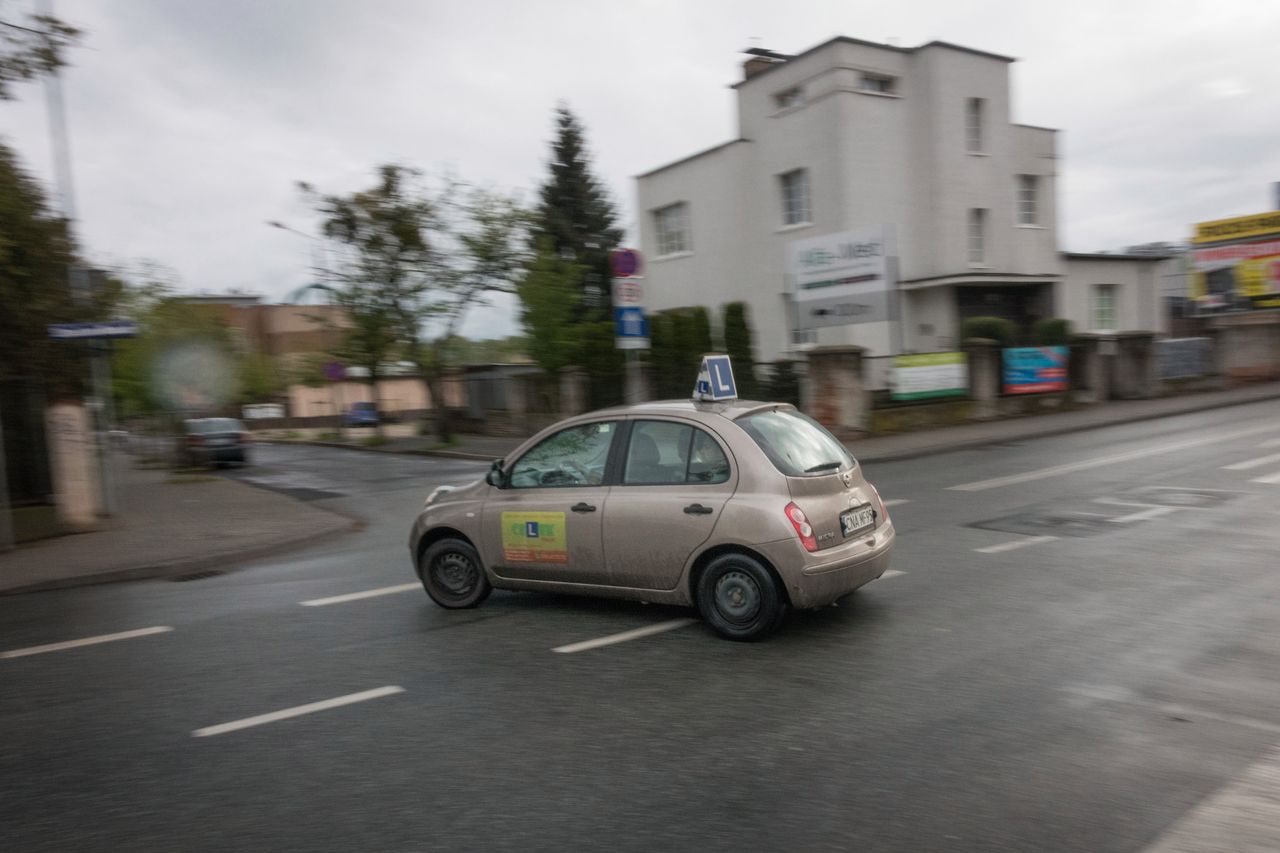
(582, 507)
(698, 509)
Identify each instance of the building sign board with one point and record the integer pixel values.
(841, 279)
(932, 374)
(107, 329)
(1035, 370)
(1235, 264)
(1237, 228)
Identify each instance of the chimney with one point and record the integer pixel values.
(759, 59)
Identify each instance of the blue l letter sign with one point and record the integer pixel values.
(715, 379)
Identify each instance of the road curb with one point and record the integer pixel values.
(968, 444)
(224, 563)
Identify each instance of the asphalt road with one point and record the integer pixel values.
(1080, 654)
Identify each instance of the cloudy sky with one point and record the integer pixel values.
(191, 120)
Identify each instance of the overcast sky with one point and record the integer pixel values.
(191, 121)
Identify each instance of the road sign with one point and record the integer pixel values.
(108, 329)
(335, 371)
(624, 262)
(631, 327)
(627, 291)
(715, 379)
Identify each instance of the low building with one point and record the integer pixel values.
(876, 195)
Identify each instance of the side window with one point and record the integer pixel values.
(663, 453)
(572, 457)
(707, 462)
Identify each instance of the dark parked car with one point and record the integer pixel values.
(360, 415)
(214, 441)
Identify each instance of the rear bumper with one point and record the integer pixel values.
(818, 579)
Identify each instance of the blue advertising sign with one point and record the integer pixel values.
(631, 327)
(715, 379)
(1035, 370)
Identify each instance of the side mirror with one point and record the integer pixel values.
(496, 477)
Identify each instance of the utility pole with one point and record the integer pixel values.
(77, 277)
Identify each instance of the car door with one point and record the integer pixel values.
(674, 482)
(545, 523)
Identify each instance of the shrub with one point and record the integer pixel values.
(1051, 332)
(737, 344)
(783, 384)
(1005, 332)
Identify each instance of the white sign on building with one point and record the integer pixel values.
(842, 279)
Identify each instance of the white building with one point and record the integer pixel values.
(851, 135)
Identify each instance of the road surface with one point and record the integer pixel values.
(1076, 650)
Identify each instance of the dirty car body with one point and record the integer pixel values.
(741, 509)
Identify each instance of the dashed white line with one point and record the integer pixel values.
(1271, 442)
(897, 501)
(298, 711)
(1100, 461)
(624, 636)
(356, 596)
(1242, 815)
(1270, 479)
(1143, 515)
(891, 573)
(1017, 543)
(1257, 462)
(86, 641)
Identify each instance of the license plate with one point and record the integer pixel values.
(853, 520)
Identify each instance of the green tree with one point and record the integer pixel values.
(31, 49)
(417, 261)
(737, 344)
(576, 216)
(549, 297)
(35, 250)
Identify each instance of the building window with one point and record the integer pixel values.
(672, 226)
(878, 83)
(1028, 200)
(973, 120)
(1104, 308)
(795, 197)
(977, 235)
(789, 98)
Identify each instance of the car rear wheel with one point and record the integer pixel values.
(740, 598)
(453, 575)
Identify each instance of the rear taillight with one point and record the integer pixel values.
(195, 440)
(803, 529)
(882, 511)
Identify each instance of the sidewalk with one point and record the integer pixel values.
(169, 526)
(909, 445)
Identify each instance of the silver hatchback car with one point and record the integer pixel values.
(741, 509)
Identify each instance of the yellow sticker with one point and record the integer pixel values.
(534, 537)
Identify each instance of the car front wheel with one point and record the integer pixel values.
(452, 574)
(739, 597)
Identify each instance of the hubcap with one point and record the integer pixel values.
(737, 597)
(456, 573)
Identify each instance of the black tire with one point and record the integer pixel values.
(453, 575)
(740, 598)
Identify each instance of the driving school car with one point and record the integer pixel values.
(741, 509)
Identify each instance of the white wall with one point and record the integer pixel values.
(1137, 299)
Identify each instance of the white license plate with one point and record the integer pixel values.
(853, 520)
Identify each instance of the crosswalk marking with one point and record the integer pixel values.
(1270, 479)
(1257, 462)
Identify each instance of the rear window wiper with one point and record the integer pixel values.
(825, 466)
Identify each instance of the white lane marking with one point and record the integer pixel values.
(897, 501)
(891, 573)
(87, 641)
(1100, 461)
(1253, 463)
(1270, 479)
(356, 596)
(1271, 442)
(1118, 502)
(1017, 543)
(1125, 696)
(623, 637)
(1241, 815)
(1143, 515)
(298, 711)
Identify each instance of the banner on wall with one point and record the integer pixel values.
(927, 375)
(1035, 370)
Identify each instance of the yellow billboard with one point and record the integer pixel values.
(1238, 228)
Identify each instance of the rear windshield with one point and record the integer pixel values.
(796, 444)
(215, 425)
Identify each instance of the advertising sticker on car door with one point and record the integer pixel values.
(534, 537)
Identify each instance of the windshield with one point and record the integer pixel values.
(796, 444)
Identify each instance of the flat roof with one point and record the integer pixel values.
(703, 152)
(1116, 256)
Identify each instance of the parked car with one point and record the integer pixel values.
(214, 441)
(361, 415)
(741, 509)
